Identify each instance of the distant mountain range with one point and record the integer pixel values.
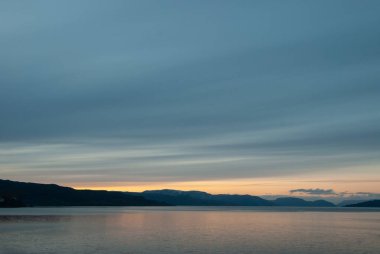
(198, 198)
(350, 202)
(19, 194)
(371, 203)
(175, 197)
(301, 202)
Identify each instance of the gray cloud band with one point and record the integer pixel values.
(267, 95)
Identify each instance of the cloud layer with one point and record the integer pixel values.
(168, 91)
(314, 191)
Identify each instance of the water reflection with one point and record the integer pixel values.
(115, 230)
(33, 218)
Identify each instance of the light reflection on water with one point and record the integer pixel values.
(189, 230)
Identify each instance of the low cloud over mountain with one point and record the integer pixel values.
(314, 191)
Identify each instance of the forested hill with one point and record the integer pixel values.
(17, 194)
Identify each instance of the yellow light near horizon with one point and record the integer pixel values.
(263, 186)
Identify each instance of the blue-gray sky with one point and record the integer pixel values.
(106, 93)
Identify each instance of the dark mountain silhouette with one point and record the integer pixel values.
(290, 201)
(175, 197)
(350, 202)
(10, 201)
(371, 203)
(199, 198)
(16, 194)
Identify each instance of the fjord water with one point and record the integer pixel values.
(189, 230)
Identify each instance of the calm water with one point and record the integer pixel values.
(189, 230)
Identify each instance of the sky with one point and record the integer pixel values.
(257, 97)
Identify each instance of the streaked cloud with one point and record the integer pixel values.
(149, 91)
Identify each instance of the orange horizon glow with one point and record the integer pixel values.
(242, 186)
